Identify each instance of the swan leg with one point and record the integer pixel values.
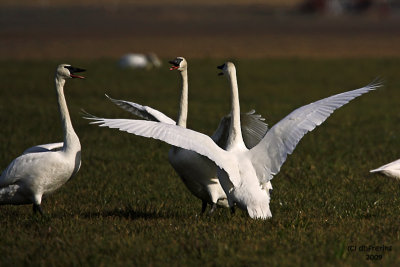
(213, 208)
(232, 210)
(36, 208)
(231, 205)
(203, 206)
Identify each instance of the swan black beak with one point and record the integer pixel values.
(73, 70)
(221, 68)
(175, 63)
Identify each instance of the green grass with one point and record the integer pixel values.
(127, 206)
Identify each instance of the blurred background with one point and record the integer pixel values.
(89, 29)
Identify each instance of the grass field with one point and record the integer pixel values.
(127, 206)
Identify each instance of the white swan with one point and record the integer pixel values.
(42, 169)
(140, 61)
(391, 169)
(244, 172)
(198, 173)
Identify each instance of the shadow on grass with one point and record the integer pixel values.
(128, 213)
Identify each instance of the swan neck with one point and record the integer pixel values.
(235, 133)
(183, 104)
(70, 137)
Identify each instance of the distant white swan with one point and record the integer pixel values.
(42, 169)
(244, 172)
(391, 169)
(140, 61)
(198, 173)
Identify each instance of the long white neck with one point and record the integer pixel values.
(183, 105)
(235, 132)
(71, 140)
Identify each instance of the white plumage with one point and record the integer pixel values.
(140, 61)
(44, 148)
(244, 172)
(197, 172)
(42, 169)
(391, 169)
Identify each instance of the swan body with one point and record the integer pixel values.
(391, 169)
(42, 169)
(140, 61)
(198, 173)
(243, 173)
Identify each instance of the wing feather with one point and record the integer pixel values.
(176, 136)
(144, 112)
(253, 128)
(269, 155)
(44, 148)
(252, 125)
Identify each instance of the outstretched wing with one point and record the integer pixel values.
(176, 136)
(253, 128)
(252, 125)
(143, 112)
(269, 155)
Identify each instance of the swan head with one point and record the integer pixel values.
(228, 69)
(178, 63)
(66, 71)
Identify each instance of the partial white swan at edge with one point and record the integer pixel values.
(42, 169)
(391, 169)
(244, 172)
